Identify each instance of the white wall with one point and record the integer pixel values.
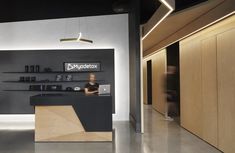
(109, 31)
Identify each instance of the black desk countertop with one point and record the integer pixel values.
(94, 111)
(67, 99)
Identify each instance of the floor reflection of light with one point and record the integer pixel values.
(17, 122)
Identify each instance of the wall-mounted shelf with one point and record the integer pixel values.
(45, 90)
(35, 82)
(53, 72)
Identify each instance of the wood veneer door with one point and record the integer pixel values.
(191, 87)
(145, 82)
(158, 86)
(226, 90)
(209, 91)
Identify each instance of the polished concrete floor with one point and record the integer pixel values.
(160, 137)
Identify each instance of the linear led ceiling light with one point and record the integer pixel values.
(170, 4)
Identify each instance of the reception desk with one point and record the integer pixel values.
(72, 117)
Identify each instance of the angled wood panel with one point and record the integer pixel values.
(226, 90)
(60, 123)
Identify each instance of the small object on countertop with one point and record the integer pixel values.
(77, 88)
(33, 79)
(31, 68)
(59, 77)
(69, 77)
(27, 79)
(54, 87)
(47, 69)
(45, 80)
(35, 87)
(69, 89)
(21, 79)
(26, 68)
(37, 68)
(43, 87)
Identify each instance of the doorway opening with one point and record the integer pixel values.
(149, 82)
(155, 89)
(173, 59)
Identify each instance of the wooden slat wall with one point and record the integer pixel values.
(158, 82)
(145, 94)
(226, 86)
(207, 74)
(158, 72)
(209, 91)
(191, 87)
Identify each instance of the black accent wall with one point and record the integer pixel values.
(17, 102)
(134, 59)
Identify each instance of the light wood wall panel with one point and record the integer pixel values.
(209, 91)
(144, 67)
(207, 74)
(226, 90)
(191, 87)
(158, 86)
(199, 88)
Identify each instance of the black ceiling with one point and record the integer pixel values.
(24, 10)
(20, 10)
(148, 7)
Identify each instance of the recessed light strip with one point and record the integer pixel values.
(198, 30)
(171, 9)
(168, 4)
